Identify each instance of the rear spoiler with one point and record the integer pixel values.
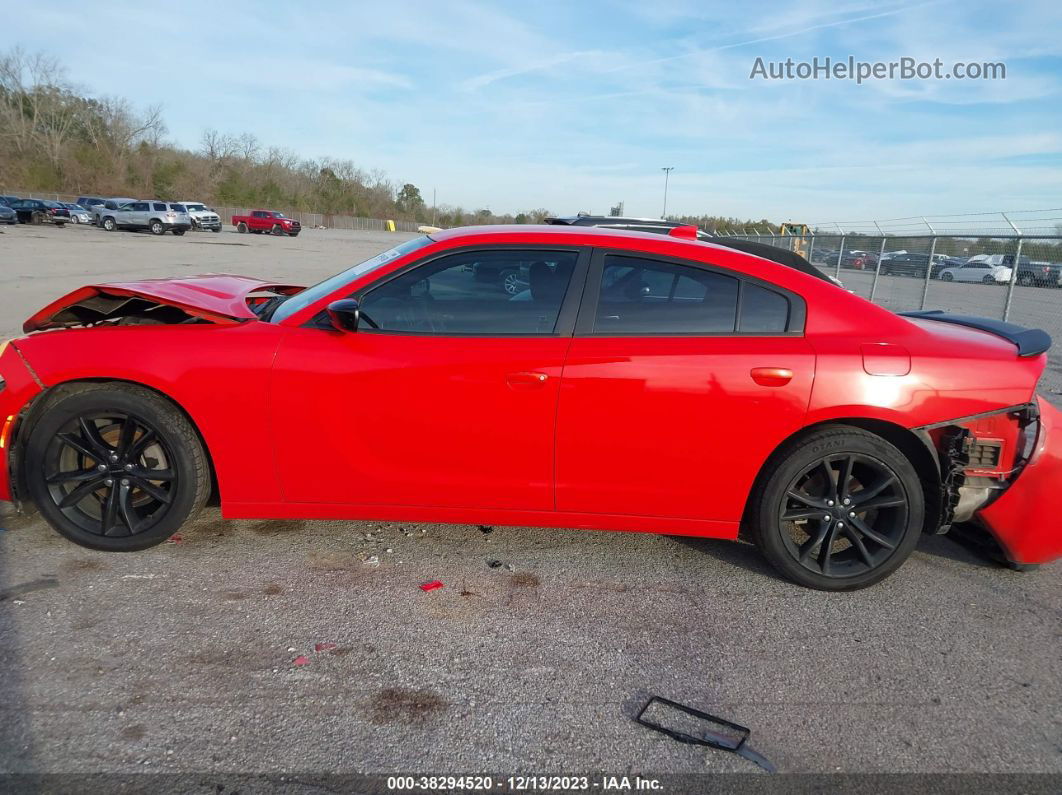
(1029, 341)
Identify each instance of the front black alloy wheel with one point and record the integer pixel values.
(115, 467)
(842, 510)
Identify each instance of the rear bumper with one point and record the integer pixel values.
(1026, 519)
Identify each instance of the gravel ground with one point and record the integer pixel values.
(184, 658)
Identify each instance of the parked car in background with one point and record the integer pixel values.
(7, 215)
(977, 271)
(156, 216)
(202, 216)
(910, 264)
(78, 214)
(107, 205)
(8, 200)
(1039, 274)
(41, 211)
(259, 221)
(88, 202)
(855, 259)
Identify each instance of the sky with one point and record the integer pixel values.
(575, 106)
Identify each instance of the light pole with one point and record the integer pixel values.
(667, 173)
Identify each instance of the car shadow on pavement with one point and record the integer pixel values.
(740, 553)
(965, 544)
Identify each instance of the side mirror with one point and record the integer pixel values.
(344, 314)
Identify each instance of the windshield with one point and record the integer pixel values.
(196, 208)
(279, 215)
(302, 300)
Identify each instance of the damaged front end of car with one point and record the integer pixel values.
(997, 470)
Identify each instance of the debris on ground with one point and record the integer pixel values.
(431, 586)
(28, 587)
(301, 660)
(703, 729)
(495, 564)
(372, 560)
(510, 567)
(326, 646)
(176, 538)
(468, 593)
(486, 529)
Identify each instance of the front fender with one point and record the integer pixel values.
(218, 375)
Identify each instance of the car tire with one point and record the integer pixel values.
(947, 277)
(74, 220)
(277, 230)
(1026, 280)
(795, 510)
(217, 229)
(179, 232)
(129, 510)
(109, 224)
(241, 227)
(988, 280)
(293, 234)
(155, 227)
(510, 281)
(37, 218)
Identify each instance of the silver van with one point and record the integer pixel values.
(156, 216)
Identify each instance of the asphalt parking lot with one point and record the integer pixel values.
(199, 656)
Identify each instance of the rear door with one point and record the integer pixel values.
(681, 380)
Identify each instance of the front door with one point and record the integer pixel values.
(445, 396)
(680, 381)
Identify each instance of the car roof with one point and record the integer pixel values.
(779, 256)
(594, 220)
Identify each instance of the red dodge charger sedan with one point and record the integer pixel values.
(543, 376)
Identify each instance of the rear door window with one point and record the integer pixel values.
(643, 296)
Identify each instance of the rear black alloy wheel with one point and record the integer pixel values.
(843, 510)
(115, 468)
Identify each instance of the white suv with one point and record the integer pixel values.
(203, 217)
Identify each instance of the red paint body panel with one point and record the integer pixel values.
(418, 420)
(661, 434)
(647, 426)
(495, 516)
(218, 374)
(1025, 518)
(213, 297)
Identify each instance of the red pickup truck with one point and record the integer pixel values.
(260, 221)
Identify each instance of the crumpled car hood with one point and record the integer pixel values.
(220, 298)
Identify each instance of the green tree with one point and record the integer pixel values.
(409, 201)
